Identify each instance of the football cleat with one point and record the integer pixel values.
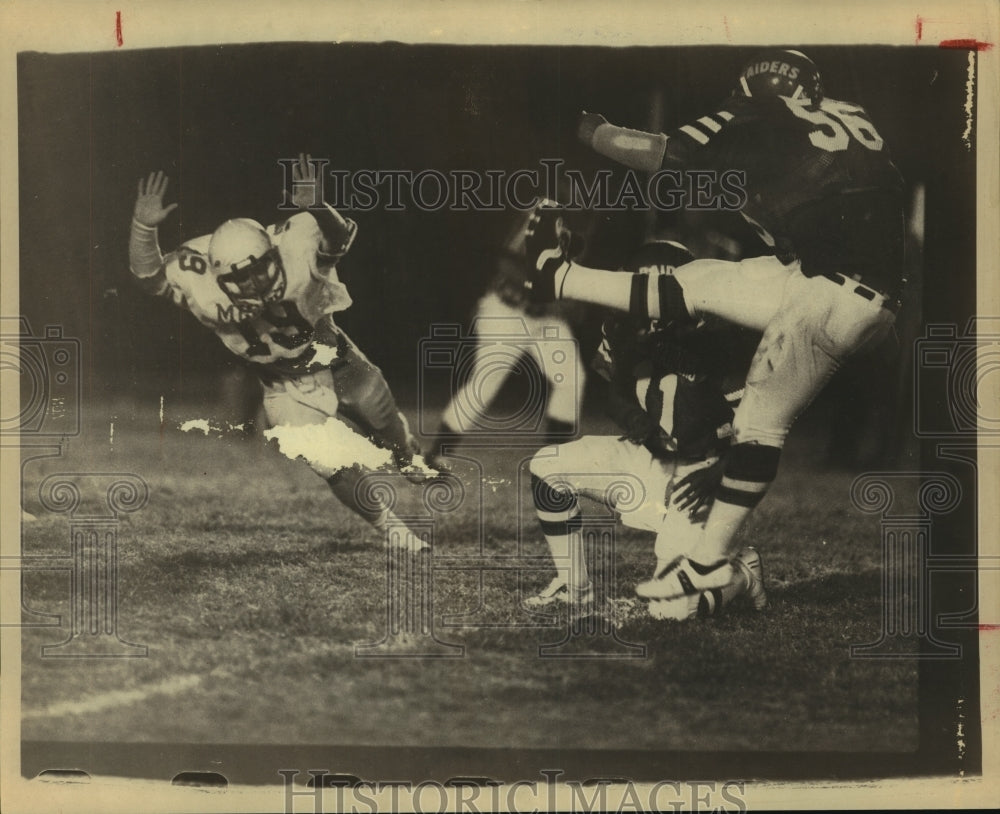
(678, 610)
(560, 591)
(748, 561)
(684, 577)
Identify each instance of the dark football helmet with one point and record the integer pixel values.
(781, 73)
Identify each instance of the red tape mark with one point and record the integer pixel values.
(118, 29)
(966, 45)
(920, 27)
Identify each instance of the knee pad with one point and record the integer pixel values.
(548, 499)
(558, 512)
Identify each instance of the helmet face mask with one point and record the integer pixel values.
(246, 265)
(254, 282)
(781, 73)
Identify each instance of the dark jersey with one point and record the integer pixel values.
(819, 180)
(710, 364)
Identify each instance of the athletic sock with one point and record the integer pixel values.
(559, 516)
(750, 469)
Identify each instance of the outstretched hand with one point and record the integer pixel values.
(304, 194)
(149, 209)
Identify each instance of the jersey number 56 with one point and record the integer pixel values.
(836, 124)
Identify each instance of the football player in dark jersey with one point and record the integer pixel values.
(672, 390)
(825, 195)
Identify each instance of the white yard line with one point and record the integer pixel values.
(116, 698)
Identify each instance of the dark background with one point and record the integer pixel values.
(217, 119)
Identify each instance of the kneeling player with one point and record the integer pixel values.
(269, 295)
(673, 393)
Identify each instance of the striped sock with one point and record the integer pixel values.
(750, 470)
(559, 516)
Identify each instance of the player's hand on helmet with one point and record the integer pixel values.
(548, 247)
(304, 182)
(587, 125)
(697, 489)
(149, 209)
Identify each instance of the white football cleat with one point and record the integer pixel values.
(678, 610)
(685, 578)
(748, 561)
(559, 591)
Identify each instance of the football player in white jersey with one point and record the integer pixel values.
(673, 393)
(270, 295)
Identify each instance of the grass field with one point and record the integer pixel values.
(251, 588)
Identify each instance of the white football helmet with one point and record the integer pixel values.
(246, 264)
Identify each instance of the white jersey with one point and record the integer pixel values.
(281, 334)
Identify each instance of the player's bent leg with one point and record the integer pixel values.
(309, 401)
(748, 292)
(560, 362)
(365, 398)
(674, 538)
(750, 468)
(492, 363)
(623, 476)
(820, 325)
(347, 486)
(558, 513)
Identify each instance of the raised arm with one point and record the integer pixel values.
(633, 148)
(338, 232)
(145, 257)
